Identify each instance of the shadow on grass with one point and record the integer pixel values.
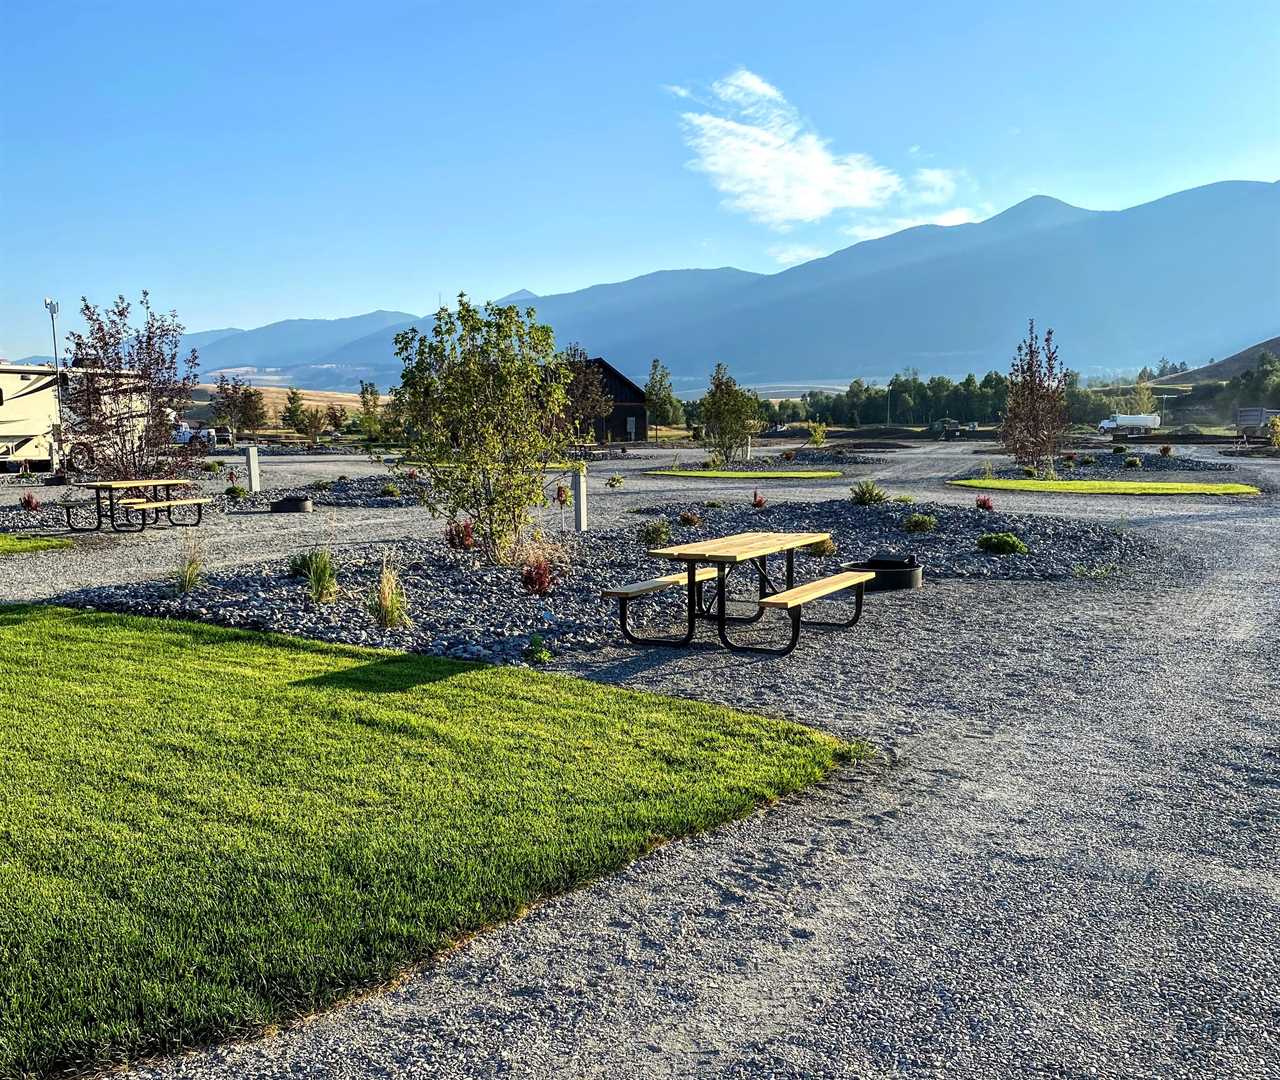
(391, 674)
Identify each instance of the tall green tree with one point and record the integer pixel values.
(730, 415)
(485, 397)
(660, 399)
(370, 411)
(294, 408)
(589, 399)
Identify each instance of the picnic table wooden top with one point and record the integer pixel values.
(117, 485)
(740, 547)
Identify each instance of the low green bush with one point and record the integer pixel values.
(920, 523)
(615, 481)
(208, 466)
(1133, 462)
(906, 500)
(1119, 450)
(713, 504)
(823, 548)
(236, 492)
(322, 485)
(690, 518)
(390, 491)
(536, 652)
(1029, 472)
(655, 533)
(1002, 543)
(868, 493)
(1088, 459)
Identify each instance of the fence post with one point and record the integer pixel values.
(251, 466)
(578, 485)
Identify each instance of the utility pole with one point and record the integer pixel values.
(51, 305)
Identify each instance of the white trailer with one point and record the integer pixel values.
(29, 421)
(1129, 424)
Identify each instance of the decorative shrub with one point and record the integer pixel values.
(390, 491)
(209, 466)
(536, 652)
(1273, 431)
(713, 504)
(322, 485)
(920, 523)
(906, 500)
(460, 535)
(1069, 455)
(1029, 472)
(190, 566)
(1088, 459)
(615, 481)
(823, 548)
(689, 517)
(655, 533)
(29, 502)
(1166, 450)
(788, 455)
(983, 502)
(235, 492)
(988, 470)
(868, 493)
(757, 500)
(386, 601)
(1119, 450)
(1133, 462)
(322, 579)
(1067, 464)
(537, 577)
(1002, 543)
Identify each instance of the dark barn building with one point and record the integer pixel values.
(628, 422)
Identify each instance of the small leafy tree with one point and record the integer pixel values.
(485, 397)
(337, 417)
(127, 389)
(370, 410)
(663, 405)
(1144, 401)
(253, 411)
(1037, 411)
(294, 406)
(730, 415)
(313, 423)
(589, 401)
(1273, 431)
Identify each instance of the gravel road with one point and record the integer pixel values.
(1065, 866)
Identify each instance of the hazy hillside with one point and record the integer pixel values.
(1221, 370)
(1175, 277)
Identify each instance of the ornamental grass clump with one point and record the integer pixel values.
(1119, 450)
(29, 502)
(235, 492)
(615, 481)
(690, 518)
(190, 566)
(1166, 450)
(906, 500)
(1133, 462)
(1088, 459)
(537, 577)
(823, 549)
(920, 523)
(868, 493)
(655, 533)
(389, 491)
(1002, 543)
(322, 579)
(386, 601)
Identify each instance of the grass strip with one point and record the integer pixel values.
(717, 474)
(21, 545)
(1109, 487)
(203, 831)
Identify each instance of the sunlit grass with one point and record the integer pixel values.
(203, 831)
(1109, 487)
(718, 474)
(20, 545)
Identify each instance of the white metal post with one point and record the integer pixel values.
(251, 466)
(578, 486)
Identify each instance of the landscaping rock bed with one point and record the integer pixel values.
(803, 459)
(464, 608)
(362, 492)
(1112, 466)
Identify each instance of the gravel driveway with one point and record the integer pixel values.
(1065, 865)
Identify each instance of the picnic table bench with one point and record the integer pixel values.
(724, 554)
(117, 499)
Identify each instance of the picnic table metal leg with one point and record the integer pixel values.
(846, 623)
(722, 625)
(115, 526)
(693, 601)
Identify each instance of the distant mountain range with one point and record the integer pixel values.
(1226, 368)
(1181, 277)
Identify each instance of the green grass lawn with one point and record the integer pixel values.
(203, 831)
(1109, 487)
(715, 474)
(20, 545)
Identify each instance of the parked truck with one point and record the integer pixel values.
(1251, 422)
(1129, 424)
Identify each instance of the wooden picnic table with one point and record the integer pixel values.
(724, 554)
(111, 488)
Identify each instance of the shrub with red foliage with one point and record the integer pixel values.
(984, 503)
(29, 502)
(537, 577)
(757, 500)
(460, 535)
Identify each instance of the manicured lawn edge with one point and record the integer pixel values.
(1109, 487)
(206, 831)
(22, 545)
(714, 474)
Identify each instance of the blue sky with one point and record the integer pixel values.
(253, 162)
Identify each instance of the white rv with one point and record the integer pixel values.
(28, 415)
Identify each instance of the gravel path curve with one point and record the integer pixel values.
(1065, 866)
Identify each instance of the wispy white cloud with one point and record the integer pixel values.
(678, 91)
(872, 228)
(933, 187)
(794, 254)
(770, 164)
